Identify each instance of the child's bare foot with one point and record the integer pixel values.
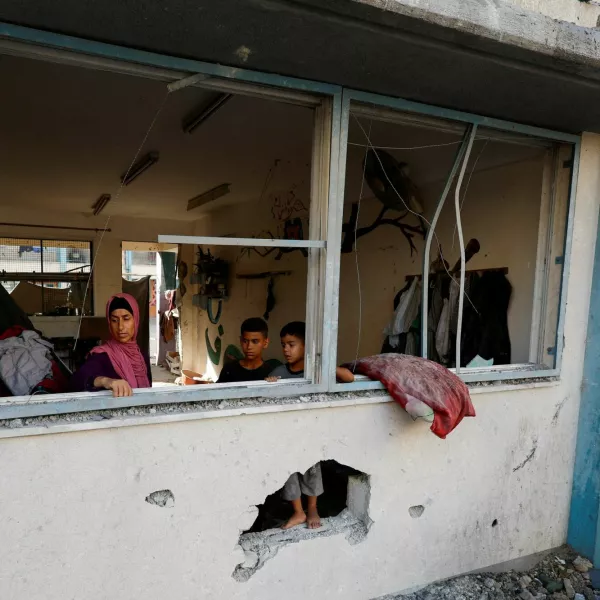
(296, 519)
(314, 520)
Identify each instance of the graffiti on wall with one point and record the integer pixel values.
(290, 214)
(213, 348)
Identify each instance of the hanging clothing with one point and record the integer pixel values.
(485, 319)
(436, 306)
(11, 314)
(167, 319)
(140, 290)
(442, 334)
(485, 326)
(405, 313)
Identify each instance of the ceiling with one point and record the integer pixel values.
(68, 134)
(430, 152)
(360, 45)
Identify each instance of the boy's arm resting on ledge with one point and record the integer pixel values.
(344, 375)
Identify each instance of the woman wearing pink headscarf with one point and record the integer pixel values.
(119, 364)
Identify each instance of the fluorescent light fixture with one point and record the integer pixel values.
(209, 196)
(205, 112)
(139, 167)
(101, 203)
(179, 84)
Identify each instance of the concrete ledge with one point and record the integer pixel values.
(193, 411)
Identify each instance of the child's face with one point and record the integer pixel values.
(253, 343)
(293, 349)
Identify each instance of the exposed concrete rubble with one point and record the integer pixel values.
(260, 547)
(213, 405)
(162, 498)
(561, 575)
(354, 522)
(182, 407)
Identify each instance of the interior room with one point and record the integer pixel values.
(98, 164)
(511, 293)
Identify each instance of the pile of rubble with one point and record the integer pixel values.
(560, 576)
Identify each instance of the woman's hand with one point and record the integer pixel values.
(271, 379)
(120, 388)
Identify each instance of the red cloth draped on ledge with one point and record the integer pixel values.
(414, 382)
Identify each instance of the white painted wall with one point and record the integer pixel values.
(257, 217)
(73, 520)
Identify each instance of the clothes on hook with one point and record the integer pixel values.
(485, 319)
(407, 309)
(485, 324)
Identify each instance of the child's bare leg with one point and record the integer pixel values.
(314, 520)
(298, 517)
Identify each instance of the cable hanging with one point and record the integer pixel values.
(170, 88)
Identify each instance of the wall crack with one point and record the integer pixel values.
(529, 457)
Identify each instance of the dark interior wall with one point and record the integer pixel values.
(358, 48)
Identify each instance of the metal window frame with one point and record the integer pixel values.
(324, 98)
(24, 41)
(471, 122)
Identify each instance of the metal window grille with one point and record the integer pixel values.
(47, 276)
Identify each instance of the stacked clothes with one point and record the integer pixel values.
(25, 360)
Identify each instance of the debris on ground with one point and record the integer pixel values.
(561, 575)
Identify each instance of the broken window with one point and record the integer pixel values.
(400, 266)
(257, 196)
(259, 249)
(234, 179)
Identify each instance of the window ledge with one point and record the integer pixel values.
(154, 414)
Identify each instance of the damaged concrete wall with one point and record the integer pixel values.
(75, 519)
(584, 13)
(156, 511)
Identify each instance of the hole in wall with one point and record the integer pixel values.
(162, 498)
(343, 508)
(495, 523)
(416, 511)
(275, 510)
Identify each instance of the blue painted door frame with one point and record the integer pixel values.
(584, 522)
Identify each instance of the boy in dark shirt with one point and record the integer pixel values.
(254, 339)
